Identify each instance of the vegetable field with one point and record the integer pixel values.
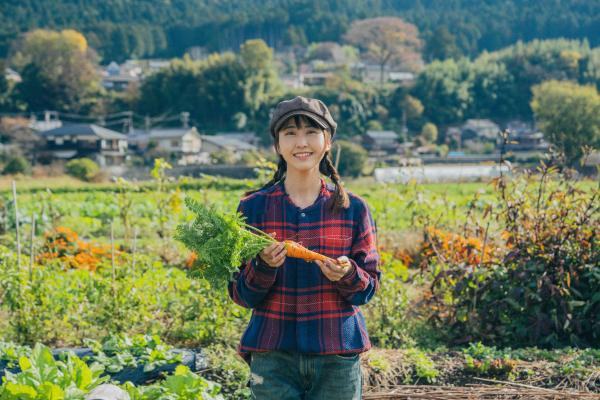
(482, 283)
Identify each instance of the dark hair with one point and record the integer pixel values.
(340, 198)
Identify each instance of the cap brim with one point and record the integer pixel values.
(312, 116)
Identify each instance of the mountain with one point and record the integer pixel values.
(119, 29)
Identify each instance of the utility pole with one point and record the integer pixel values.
(404, 128)
(185, 118)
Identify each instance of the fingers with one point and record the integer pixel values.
(279, 255)
(332, 271)
(343, 260)
(274, 254)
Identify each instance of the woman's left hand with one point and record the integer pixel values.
(335, 271)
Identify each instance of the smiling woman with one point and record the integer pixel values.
(304, 312)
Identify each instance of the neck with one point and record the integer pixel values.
(303, 183)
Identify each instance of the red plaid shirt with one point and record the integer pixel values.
(295, 307)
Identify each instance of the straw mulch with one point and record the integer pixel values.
(389, 374)
(474, 392)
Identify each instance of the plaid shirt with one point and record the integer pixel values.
(295, 307)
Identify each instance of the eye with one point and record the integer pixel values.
(313, 132)
(289, 133)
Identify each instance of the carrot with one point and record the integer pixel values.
(296, 250)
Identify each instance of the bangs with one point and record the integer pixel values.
(299, 121)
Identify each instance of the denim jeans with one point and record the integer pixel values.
(281, 375)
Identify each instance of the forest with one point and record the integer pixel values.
(120, 29)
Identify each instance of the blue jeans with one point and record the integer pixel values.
(281, 375)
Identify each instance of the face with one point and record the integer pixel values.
(302, 146)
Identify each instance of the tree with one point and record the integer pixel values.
(352, 158)
(223, 157)
(16, 165)
(262, 81)
(82, 168)
(386, 40)
(429, 132)
(569, 116)
(441, 45)
(58, 71)
(445, 87)
(212, 90)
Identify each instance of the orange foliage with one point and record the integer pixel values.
(64, 245)
(453, 248)
(189, 262)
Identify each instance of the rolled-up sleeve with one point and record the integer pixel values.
(361, 283)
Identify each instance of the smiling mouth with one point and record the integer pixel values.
(303, 155)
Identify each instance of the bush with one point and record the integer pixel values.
(535, 281)
(82, 168)
(16, 165)
(352, 158)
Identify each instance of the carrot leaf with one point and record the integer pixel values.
(222, 242)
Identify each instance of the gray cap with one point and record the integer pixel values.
(299, 105)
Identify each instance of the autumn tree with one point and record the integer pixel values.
(386, 41)
(58, 71)
(569, 115)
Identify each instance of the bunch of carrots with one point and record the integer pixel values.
(222, 242)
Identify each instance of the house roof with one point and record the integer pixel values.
(227, 142)
(84, 130)
(480, 124)
(375, 135)
(171, 133)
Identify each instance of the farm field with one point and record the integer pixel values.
(482, 283)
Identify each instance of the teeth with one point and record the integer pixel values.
(302, 154)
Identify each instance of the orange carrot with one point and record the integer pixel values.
(296, 250)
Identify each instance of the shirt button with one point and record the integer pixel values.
(303, 215)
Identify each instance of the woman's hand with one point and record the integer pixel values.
(274, 254)
(335, 271)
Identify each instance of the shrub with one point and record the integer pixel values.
(352, 158)
(538, 281)
(16, 165)
(65, 246)
(82, 168)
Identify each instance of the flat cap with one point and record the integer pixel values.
(299, 105)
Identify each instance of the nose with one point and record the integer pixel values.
(301, 140)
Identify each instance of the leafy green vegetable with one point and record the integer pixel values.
(119, 351)
(12, 353)
(222, 242)
(182, 385)
(44, 378)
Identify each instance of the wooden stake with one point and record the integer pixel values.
(134, 250)
(112, 261)
(31, 254)
(14, 190)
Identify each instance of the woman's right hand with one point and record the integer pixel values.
(274, 254)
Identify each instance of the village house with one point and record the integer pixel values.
(185, 146)
(215, 143)
(179, 144)
(474, 135)
(524, 138)
(69, 141)
(381, 142)
(120, 78)
(246, 137)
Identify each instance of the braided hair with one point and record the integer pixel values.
(340, 199)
